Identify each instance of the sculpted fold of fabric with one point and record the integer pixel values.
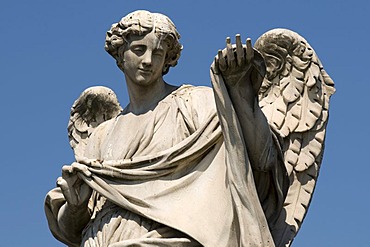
(261, 199)
(183, 179)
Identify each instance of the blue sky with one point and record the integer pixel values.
(50, 51)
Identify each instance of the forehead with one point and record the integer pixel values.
(149, 40)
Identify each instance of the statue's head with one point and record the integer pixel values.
(141, 23)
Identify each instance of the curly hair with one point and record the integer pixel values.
(142, 22)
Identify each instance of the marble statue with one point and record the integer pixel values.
(235, 165)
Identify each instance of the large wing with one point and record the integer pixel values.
(94, 106)
(294, 96)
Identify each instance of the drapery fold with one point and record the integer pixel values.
(254, 229)
(202, 186)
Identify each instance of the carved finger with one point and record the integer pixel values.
(217, 64)
(250, 51)
(81, 168)
(239, 50)
(221, 61)
(69, 195)
(230, 53)
(59, 181)
(67, 171)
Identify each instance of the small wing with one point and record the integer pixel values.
(294, 97)
(94, 106)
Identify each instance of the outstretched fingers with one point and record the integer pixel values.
(234, 57)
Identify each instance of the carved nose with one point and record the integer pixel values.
(147, 58)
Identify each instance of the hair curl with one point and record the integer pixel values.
(142, 22)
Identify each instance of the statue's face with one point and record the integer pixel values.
(144, 59)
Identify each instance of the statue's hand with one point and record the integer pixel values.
(76, 192)
(234, 61)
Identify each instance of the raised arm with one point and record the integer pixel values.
(242, 69)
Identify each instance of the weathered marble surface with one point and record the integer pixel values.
(192, 166)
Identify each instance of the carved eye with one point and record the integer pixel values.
(138, 50)
(158, 53)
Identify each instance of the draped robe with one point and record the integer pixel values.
(178, 175)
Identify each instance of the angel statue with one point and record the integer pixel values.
(186, 165)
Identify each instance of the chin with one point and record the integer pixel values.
(144, 82)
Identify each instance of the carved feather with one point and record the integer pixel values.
(94, 106)
(295, 100)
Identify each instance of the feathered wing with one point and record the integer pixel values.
(94, 106)
(294, 96)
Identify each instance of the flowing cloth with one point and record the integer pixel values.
(176, 167)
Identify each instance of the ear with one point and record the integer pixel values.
(119, 58)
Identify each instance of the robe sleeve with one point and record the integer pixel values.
(272, 186)
(269, 186)
(53, 202)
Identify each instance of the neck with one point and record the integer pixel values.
(144, 98)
